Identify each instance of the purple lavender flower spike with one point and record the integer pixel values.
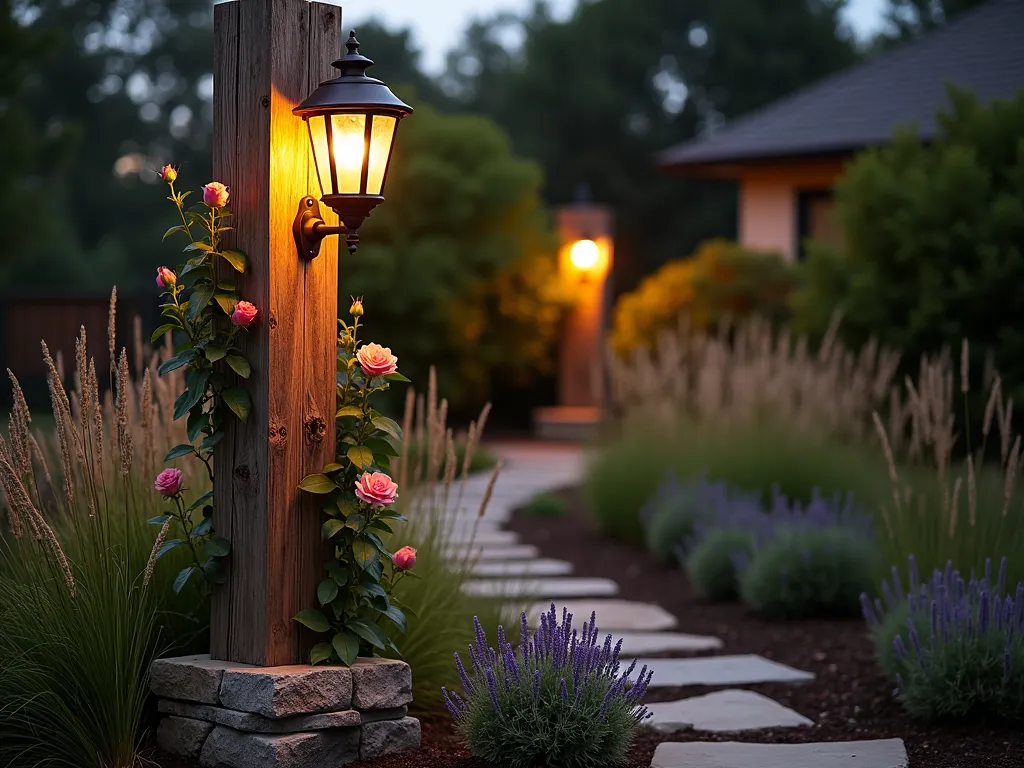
(868, 610)
(916, 641)
(536, 686)
(492, 688)
(899, 647)
(878, 607)
(935, 624)
(501, 636)
(890, 600)
(1001, 583)
(467, 684)
(456, 713)
(563, 691)
(983, 608)
(524, 628)
(997, 612)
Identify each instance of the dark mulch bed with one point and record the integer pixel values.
(848, 700)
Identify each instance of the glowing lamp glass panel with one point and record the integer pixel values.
(382, 135)
(584, 254)
(321, 154)
(348, 147)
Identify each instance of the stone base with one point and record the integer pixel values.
(229, 715)
(571, 424)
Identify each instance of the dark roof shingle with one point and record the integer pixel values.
(982, 50)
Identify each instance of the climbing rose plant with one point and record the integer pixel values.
(207, 317)
(358, 610)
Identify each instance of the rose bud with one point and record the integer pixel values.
(215, 194)
(356, 310)
(165, 277)
(244, 314)
(404, 559)
(169, 173)
(376, 489)
(376, 360)
(168, 482)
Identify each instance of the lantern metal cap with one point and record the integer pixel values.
(353, 90)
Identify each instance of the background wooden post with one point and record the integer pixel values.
(268, 56)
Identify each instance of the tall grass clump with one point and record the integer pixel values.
(83, 606)
(440, 618)
(954, 647)
(951, 500)
(558, 700)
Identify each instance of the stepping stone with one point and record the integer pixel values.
(541, 567)
(541, 587)
(484, 537)
(482, 553)
(639, 643)
(611, 614)
(883, 753)
(724, 711)
(720, 670)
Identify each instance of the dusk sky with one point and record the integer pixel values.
(442, 21)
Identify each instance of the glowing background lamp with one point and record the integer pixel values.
(584, 255)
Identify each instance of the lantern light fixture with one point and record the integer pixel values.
(352, 121)
(584, 254)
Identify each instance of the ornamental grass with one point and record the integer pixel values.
(82, 609)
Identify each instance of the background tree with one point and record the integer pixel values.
(459, 265)
(935, 241)
(907, 19)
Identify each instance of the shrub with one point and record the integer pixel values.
(545, 505)
(720, 280)
(811, 572)
(559, 701)
(960, 652)
(670, 516)
(943, 212)
(714, 565)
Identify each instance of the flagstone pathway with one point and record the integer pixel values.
(507, 569)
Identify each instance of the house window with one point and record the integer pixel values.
(817, 219)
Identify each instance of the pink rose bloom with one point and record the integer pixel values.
(244, 314)
(165, 277)
(168, 482)
(215, 194)
(404, 559)
(376, 489)
(376, 360)
(169, 173)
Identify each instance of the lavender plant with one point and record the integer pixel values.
(957, 647)
(715, 564)
(560, 700)
(671, 514)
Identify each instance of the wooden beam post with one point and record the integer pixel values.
(268, 55)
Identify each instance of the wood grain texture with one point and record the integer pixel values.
(266, 52)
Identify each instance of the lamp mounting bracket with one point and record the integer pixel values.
(310, 230)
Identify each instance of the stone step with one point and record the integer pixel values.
(490, 553)
(612, 615)
(881, 753)
(493, 538)
(539, 567)
(723, 711)
(541, 587)
(747, 669)
(640, 643)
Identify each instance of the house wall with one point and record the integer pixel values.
(768, 211)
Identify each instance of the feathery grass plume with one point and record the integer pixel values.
(149, 448)
(995, 393)
(151, 563)
(139, 345)
(420, 439)
(490, 488)
(112, 334)
(40, 458)
(60, 407)
(1010, 479)
(20, 421)
(60, 364)
(124, 436)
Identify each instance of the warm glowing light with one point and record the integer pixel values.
(348, 151)
(584, 254)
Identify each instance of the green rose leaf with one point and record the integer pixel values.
(199, 245)
(218, 547)
(373, 588)
(168, 546)
(177, 362)
(397, 377)
(380, 525)
(211, 440)
(317, 484)
(349, 410)
(326, 591)
(184, 449)
(171, 231)
(239, 365)
(205, 497)
(237, 259)
(346, 645)
(195, 423)
(364, 551)
(197, 303)
(331, 528)
(320, 652)
(158, 520)
(313, 619)
(215, 572)
(332, 467)
(159, 332)
(361, 456)
(237, 399)
(204, 527)
(213, 354)
(370, 632)
(388, 426)
(196, 383)
(396, 615)
(380, 446)
(226, 302)
(182, 579)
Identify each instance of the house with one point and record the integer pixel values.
(786, 156)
